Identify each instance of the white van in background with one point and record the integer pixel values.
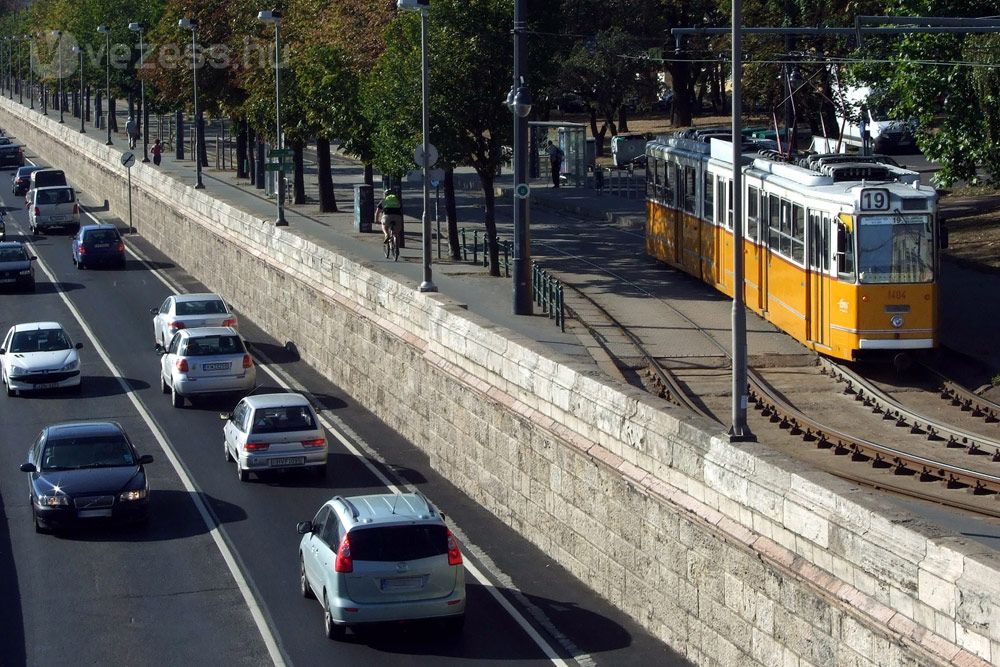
(866, 113)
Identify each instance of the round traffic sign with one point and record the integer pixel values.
(128, 159)
(521, 190)
(432, 155)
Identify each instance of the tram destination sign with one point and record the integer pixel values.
(874, 199)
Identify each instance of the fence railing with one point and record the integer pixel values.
(547, 292)
(627, 182)
(479, 248)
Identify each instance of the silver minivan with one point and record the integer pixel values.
(53, 207)
(381, 557)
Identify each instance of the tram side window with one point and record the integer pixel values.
(774, 221)
(652, 171)
(690, 190)
(753, 212)
(798, 232)
(845, 252)
(668, 182)
(709, 203)
(729, 205)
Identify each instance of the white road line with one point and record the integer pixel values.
(519, 618)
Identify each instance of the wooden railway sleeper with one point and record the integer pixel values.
(953, 443)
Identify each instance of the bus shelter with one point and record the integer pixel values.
(571, 138)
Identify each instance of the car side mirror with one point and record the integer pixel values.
(225, 416)
(302, 527)
(32, 258)
(154, 311)
(28, 467)
(2, 351)
(145, 459)
(159, 349)
(79, 346)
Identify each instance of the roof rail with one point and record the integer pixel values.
(347, 503)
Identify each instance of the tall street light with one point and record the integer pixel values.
(192, 25)
(519, 103)
(78, 50)
(274, 16)
(31, 74)
(427, 285)
(58, 35)
(106, 31)
(140, 28)
(13, 71)
(20, 67)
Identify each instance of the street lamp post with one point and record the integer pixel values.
(78, 50)
(20, 69)
(58, 35)
(31, 74)
(274, 16)
(192, 25)
(519, 102)
(13, 72)
(140, 28)
(427, 284)
(106, 31)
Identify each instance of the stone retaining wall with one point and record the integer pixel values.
(730, 553)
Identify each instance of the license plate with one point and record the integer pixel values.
(86, 514)
(216, 367)
(49, 385)
(8, 280)
(102, 245)
(401, 583)
(288, 461)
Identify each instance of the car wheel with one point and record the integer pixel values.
(304, 587)
(164, 387)
(121, 263)
(80, 266)
(333, 631)
(176, 399)
(241, 474)
(78, 387)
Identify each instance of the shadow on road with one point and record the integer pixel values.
(12, 650)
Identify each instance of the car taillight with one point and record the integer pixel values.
(182, 365)
(318, 442)
(255, 446)
(454, 553)
(175, 325)
(83, 249)
(38, 211)
(344, 563)
(121, 246)
(247, 361)
(231, 322)
(76, 209)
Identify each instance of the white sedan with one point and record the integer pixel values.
(39, 355)
(188, 311)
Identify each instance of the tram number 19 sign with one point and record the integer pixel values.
(875, 200)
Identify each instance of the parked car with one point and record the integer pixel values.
(11, 154)
(274, 432)
(207, 360)
(381, 557)
(98, 244)
(16, 268)
(53, 208)
(83, 471)
(39, 355)
(21, 179)
(187, 311)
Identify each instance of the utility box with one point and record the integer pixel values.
(364, 207)
(627, 147)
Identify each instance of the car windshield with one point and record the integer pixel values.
(206, 307)
(16, 254)
(896, 249)
(279, 420)
(101, 236)
(101, 451)
(205, 346)
(40, 340)
(398, 543)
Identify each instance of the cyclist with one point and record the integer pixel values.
(390, 211)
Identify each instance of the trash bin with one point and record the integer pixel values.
(364, 207)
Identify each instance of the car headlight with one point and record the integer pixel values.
(25, 272)
(71, 366)
(15, 371)
(53, 500)
(134, 494)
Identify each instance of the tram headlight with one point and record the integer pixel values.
(896, 321)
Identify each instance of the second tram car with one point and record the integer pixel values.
(840, 251)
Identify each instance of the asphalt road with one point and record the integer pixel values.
(213, 578)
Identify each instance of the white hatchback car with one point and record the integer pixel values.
(207, 360)
(39, 355)
(187, 311)
(274, 432)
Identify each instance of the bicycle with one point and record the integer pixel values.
(392, 247)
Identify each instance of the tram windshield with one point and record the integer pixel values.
(896, 248)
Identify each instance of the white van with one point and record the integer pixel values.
(53, 207)
(866, 114)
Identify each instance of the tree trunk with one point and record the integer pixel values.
(327, 196)
(242, 170)
(298, 178)
(489, 219)
(680, 110)
(259, 181)
(99, 109)
(622, 119)
(179, 143)
(451, 213)
(369, 174)
(86, 105)
(202, 150)
(114, 114)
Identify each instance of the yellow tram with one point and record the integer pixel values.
(840, 251)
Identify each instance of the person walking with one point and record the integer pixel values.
(157, 151)
(132, 130)
(555, 162)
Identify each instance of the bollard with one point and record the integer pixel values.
(475, 246)
(506, 259)
(465, 248)
(561, 312)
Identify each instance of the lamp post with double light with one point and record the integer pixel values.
(192, 25)
(20, 67)
(31, 74)
(58, 35)
(519, 103)
(274, 16)
(79, 51)
(140, 28)
(106, 31)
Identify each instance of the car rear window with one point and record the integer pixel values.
(279, 420)
(87, 452)
(398, 543)
(61, 196)
(16, 254)
(204, 346)
(101, 236)
(207, 307)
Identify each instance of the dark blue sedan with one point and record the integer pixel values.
(83, 471)
(98, 244)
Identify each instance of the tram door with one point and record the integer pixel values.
(818, 297)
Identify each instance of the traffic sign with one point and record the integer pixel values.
(436, 176)
(278, 166)
(280, 152)
(128, 159)
(432, 156)
(522, 190)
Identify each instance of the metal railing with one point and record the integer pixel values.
(627, 182)
(547, 292)
(475, 249)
